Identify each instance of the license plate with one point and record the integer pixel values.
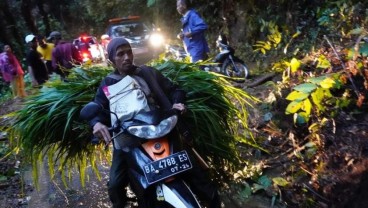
(166, 167)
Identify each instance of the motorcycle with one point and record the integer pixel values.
(155, 161)
(225, 61)
(175, 52)
(89, 49)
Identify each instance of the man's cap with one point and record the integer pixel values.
(113, 46)
(30, 38)
(54, 34)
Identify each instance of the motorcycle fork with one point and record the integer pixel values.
(157, 148)
(232, 61)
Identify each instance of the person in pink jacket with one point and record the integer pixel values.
(12, 72)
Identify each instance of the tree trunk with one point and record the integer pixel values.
(26, 10)
(45, 18)
(10, 33)
(4, 37)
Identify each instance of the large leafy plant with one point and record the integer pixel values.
(312, 96)
(48, 124)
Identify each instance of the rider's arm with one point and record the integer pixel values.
(102, 100)
(101, 122)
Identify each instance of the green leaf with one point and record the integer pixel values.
(297, 96)
(317, 80)
(356, 31)
(323, 62)
(327, 83)
(246, 192)
(256, 187)
(293, 107)
(264, 181)
(305, 87)
(363, 49)
(301, 118)
(317, 97)
(294, 64)
(307, 107)
(280, 181)
(296, 34)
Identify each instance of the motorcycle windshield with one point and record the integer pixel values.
(154, 131)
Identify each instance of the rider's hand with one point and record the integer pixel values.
(188, 34)
(101, 131)
(180, 36)
(180, 106)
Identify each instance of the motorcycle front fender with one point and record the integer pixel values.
(137, 159)
(178, 194)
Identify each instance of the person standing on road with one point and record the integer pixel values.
(12, 72)
(192, 34)
(160, 92)
(36, 67)
(64, 55)
(45, 49)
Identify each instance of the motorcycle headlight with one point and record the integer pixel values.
(154, 131)
(156, 40)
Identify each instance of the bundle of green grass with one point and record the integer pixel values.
(49, 125)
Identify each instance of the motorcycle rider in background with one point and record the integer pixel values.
(192, 34)
(160, 93)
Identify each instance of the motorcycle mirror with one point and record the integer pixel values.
(90, 111)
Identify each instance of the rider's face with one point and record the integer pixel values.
(124, 59)
(7, 49)
(181, 7)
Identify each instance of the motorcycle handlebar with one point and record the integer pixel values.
(96, 140)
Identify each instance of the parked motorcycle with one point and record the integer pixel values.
(176, 52)
(155, 161)
(225, 61)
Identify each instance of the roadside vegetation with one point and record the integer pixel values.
(303, 145)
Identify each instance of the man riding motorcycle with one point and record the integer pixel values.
(160, 93)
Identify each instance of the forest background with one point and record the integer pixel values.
(245, 22)
(318, 126)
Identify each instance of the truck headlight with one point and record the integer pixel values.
(156, 40)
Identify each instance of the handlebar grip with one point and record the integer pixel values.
(95, 140)
(172, 112)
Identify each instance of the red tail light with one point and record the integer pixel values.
(85, 55)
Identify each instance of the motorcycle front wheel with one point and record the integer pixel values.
(236, 70)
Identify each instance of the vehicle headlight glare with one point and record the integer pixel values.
(156, 40)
